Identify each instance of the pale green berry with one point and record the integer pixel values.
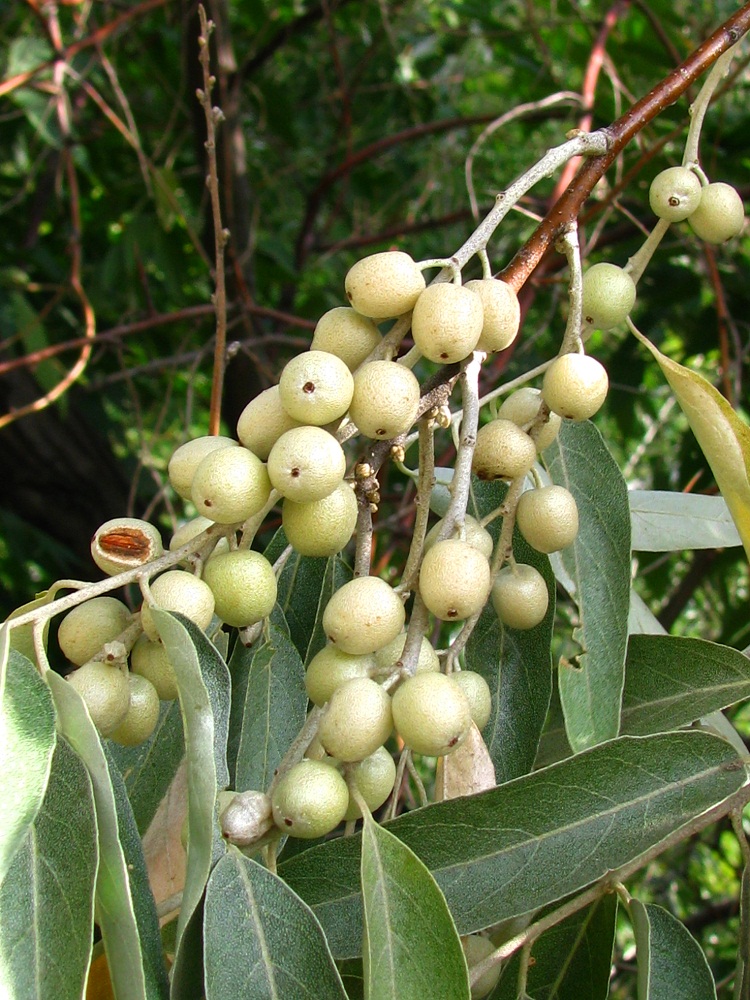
(316, 387)
(387, 657)
(186, 459)
(124, 543)
(150, 660)
(105, 690)
(522, 407)
(454, 580)
(548, 518)
(244, 586)
(263, 421)
(575, 386)
(384, 284)
(431, 714)
(345, 332)
(608, 296)
(357, 720)
(374, 778)
(447, 322)
(330, 668)
(476, 949)
(720, 214)
(520, 596)
(502, 451)
(473, 533)
(306, 463)
(191, 529)
(363, 615)
(85, 629)
(230, 485)
(142, 714)
(501, 312)
(675, 193)
(385, 399)
(178, 590)
(310, 800)
(321, 527)
(478, 694)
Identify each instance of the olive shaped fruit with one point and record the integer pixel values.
(330, 668)
(306, 463)
(186, 459)
(720, 214)
(373, 778)
(316, 388)
(230, 485)
(447, 322)
(478, 694)
(310, 800)
(385, 399)
(142, 714)
(321, 527)
(263, 421)
(608, 296)
(675, 193)
(454, 580)
(502, 451)
(244, 586)
(387, 657)
(106, 692)
(548, 518)
(178, 590)
(575, 386)
(150, 660)
(85, 629)
(501, 314)
(246, 817)
(384, 284)
(472, 532)
(476, 949)
(363, 615)
(357, 721)
(124, 543)
(431, 714)
(346, 333)
(522, 407)
(520, 596)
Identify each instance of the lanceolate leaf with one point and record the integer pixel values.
(598, 563)
(27, 742)
(671, 965)
(47, 896)
(270, 708)
(723, 437)
(261, 941)
(203, 682)
(115, 912)
(574, 821)
(572, 960)
(411, 947)
(664, 521)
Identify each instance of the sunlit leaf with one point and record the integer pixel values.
(261, 941)
(664, 521)
(411, 947)
(723, 437)
(604, 807)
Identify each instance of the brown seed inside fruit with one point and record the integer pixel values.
(125, 542)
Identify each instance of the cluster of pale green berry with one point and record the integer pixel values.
(290, 451)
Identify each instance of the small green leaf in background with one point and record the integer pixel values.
(261, 941)
(27, 742)
(667, 521)
(411, 946)
(671, 964)
(269, 705)
(570, 961)
(724, 438)
(47, 896)
(598, 563)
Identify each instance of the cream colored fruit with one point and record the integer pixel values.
(431, 714)
(478, 694)
(177, 590)
(501, 312)
(520, 596)
(263, 421)
(447, 322)
(346, 333)
(330, 668)
(387, 657)
(476, 949)
(142, 714)
(473, 533)
(720, 214)
(150, 660)
(306, 463)
(106, 692)
(384, 285)
(502, 451)
(230, 485)
(454, 580)
(124, 543)
(522, 407)
(316, 387)
(363, 615)
(191, 529)
(85, 629)
(548, 518)
(385, 400)
(310, 800)
(608, 296)
(374, 778)
(186, 459)
(357, 720)
(575, 386)
(321, 527)
(244, 586)
(246, 817)
(675, 193)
